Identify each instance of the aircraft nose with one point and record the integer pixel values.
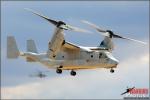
(114, 61)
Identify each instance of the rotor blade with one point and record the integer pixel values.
(77, 29)
(31, 75)
(45, 71)
(118, 36)
(134, 40)
(107, 33)
(40, 71)
(94, 26)
(48, 19)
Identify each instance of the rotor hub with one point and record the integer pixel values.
(111, 34)
(60, 23)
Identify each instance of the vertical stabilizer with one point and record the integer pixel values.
(31, 47)
(12, 49)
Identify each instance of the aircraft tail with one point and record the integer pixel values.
(31, 47)
(12, 49)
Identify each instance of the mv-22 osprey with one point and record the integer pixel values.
(62, 55)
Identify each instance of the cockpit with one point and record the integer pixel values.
(108, 56)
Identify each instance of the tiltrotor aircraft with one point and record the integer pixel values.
(62, 55)
(39, 74)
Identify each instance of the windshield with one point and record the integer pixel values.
(102, 55)
(109, 55)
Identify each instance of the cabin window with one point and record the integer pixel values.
(100, 55)
(91, 56)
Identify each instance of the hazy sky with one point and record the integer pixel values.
(130, 19)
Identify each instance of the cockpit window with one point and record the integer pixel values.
(102, 55)
(108, 54)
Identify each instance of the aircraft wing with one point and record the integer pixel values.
(74, 47)
(70, 46)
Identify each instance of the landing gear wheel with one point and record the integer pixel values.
(73, 73)
(59, 71)
(112, 70)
